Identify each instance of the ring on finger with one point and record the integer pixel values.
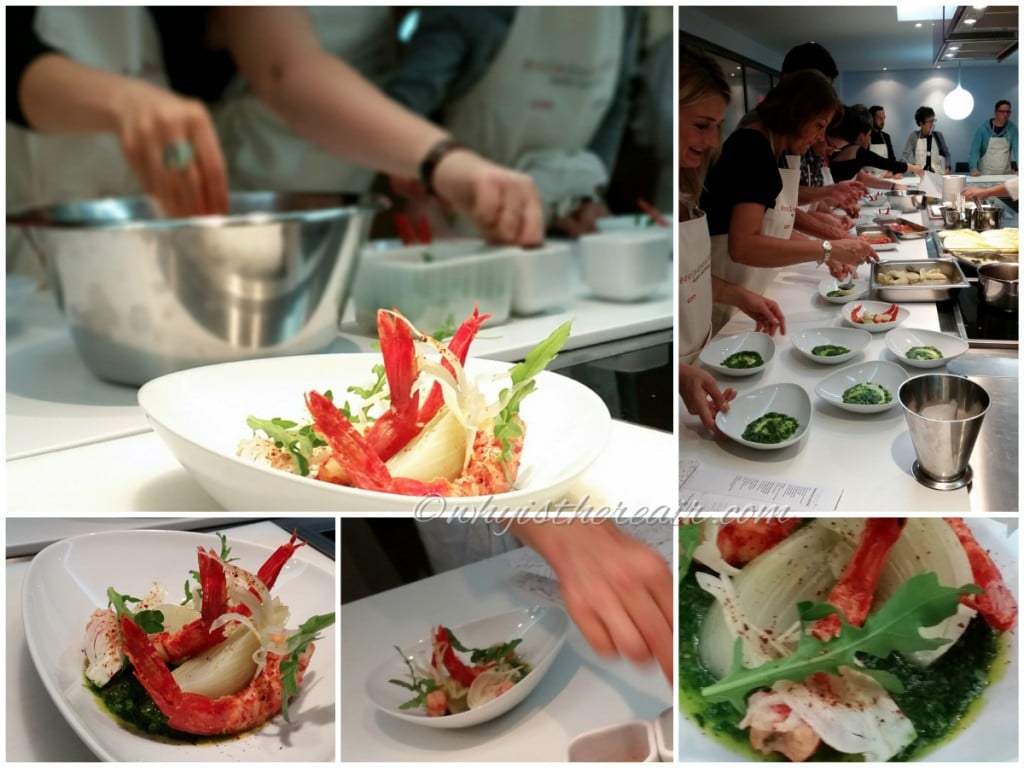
(178, 155)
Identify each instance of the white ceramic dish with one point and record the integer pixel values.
(541, 278)
(900, 340)
(860, 289)
(542, 629)
(854, 339)
(876, 307)
(718, 350)
(789, 399)
(627, 264)
(633, 741)
(664, 737)
(434, 285)
(200, 414)
(889, 375)
(68, 580)
(984, 738)
(19, 290)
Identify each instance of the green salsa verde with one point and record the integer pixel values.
(939, 700)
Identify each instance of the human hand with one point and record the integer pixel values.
(763, 311)
(846, 194)
(701, 394)
(170, 143)
(853, 252)
(583, 220)
(503, 204)
(841, 271)
(975, 173)
(617, 590)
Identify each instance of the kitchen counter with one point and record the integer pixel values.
(36, 731)
(865, 458)
(579, 693)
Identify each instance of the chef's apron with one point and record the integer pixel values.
(929, 159)
(777, 222)
(996, 160)
(695, 302)
(45, 169)
(881, 150)
(263, 152)
(541, 101)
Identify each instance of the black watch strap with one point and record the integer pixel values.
(433, 157)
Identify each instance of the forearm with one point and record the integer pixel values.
(808, 195)
(765, 251)
(811, 225)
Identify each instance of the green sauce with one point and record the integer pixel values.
(744, 359)
(939, 700)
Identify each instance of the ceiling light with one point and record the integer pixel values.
(970, 21)
(958, 103)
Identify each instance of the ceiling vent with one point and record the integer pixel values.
(977, 33)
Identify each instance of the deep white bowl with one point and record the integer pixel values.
(899, 340)
(633, 741)
(860, 288)
(626, 264)
(789, 399)
(876, 307)
(718, 350)
(541, 278)
(889, 375)
(853, 339)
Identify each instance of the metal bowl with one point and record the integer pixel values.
(145, 295)
(987, 217)
(999, 285)
(908, 200)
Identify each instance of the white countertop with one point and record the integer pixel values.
(36, 731)
(580, 692)
(868, 457)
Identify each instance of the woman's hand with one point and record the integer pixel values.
(853, 252)
(701, 394)
(171, 144)
(503, 204)
(763, 311)
(617, 590)
(917, 170)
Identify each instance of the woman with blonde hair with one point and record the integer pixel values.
(704, 95)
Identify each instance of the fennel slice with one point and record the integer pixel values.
(176, 616)
(441, 449)
(224, 669)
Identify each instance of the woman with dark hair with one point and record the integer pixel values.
(926, 146)
(751, 195)
(851, 160)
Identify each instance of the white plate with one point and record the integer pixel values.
(719, 349)
(874, 306)
(900, 340)
(860, 289)
(68, 580)
(789, 399)
(542, 628)
(200, 414)
(853, 339)
(989, 737)
(889, 375)
(19, 290)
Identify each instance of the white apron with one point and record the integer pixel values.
(996, 160)
(883, 151)
(544, 96)
(262, 151)
(777, 222)
(695, 301)
(922, 156)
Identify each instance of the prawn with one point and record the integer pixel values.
(741, 542)
(997, 606)
(201, 715)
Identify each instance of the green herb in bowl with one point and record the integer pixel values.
(829, 350)
(867, 393)
(924, 353)
(744, 359)
(771, 428)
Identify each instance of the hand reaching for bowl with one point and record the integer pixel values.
(701, 395)
(852, 252)
(763, 311)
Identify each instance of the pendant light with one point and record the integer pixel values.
(958, 103)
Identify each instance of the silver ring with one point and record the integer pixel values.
(178, 155)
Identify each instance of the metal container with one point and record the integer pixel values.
(987, 217)
(999, 285)
(908, 201)
(905, 229)
(921, 291)
(145, 295)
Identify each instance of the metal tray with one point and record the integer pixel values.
(917, 231)
(874, 229)
(924, 291)
(974, 258)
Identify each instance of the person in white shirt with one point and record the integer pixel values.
(1009, 188)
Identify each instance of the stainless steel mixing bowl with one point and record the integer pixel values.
(146, 295)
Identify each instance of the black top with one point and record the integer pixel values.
(881, 137)
(746, 172)
(848, 169)
(192, 67)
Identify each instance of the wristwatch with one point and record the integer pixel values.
(826, 252)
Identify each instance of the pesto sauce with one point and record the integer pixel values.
(126, 699)
(939, 700)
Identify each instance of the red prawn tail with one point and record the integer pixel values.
(271, 569)
(997, 606)
(740, 542)
(149, 667)
(196, 636)
(395, 428)
(458, 346)
(364, 467)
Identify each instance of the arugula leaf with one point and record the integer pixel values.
(421, 686)
(225, 550)
(447, 328)
(362, 414)
(297, 644)
(299, 441)
(506, 427)
(894, 628)
(689, 540)
(148, 620)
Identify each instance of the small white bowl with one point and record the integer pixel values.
(626, 264)
(888, 375)
(718, 350)
(900, 340)
(789, 399)
(629, 742)
(875, 307)
(541, 278)
(853, 339)
(860, 288)
(663, 736)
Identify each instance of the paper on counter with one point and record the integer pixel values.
(702, 489)
(931, 184)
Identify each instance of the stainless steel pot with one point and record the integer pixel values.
(908, 200)
(987, 217)
(145, 295)
(999, 285)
